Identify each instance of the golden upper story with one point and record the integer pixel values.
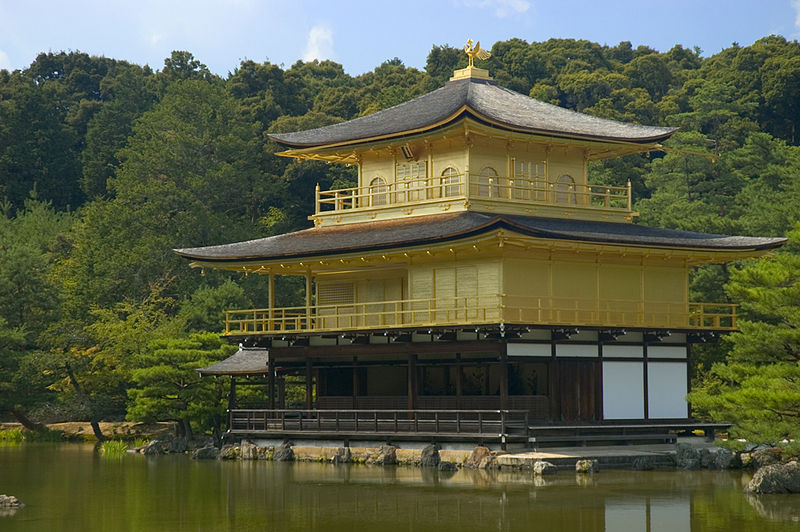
(472, 145)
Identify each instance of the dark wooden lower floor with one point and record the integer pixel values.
(474, 426)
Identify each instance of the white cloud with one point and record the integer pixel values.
(502, 8)
(796, 7)
(319, 44)
(5, 62)
(154, 39)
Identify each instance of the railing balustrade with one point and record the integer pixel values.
(476, 310)
(534, 190)
(497, 423)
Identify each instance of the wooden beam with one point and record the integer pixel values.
(504, 378)
(308, 299)
(401, 350)
(309, 385)
(412, 382)
(271, 383)
(355, 383)
(232, 395)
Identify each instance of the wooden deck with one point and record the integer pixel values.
(477, 426)
(415, 425)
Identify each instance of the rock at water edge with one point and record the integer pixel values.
(153, 448)
(386, 455)
(248, 450)
(687, 457)
(765, 457)
(430, 456)
(178, 445)
(9, 501)
(283, 453)
(343, 456)
(587, 466)
(206, 453)
(541, 468)
(230, 452)
(480, 456)
(776, 478)
(447, 466)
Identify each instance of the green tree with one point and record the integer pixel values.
(168, 387)
(759, 387)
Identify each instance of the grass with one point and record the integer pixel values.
(11, 436)
(113, 449)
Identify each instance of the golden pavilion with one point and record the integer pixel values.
(475, 285)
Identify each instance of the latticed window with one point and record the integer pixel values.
(565, 189)
(450, 182)
(377, 191)
(411, 177)
(336, 294)
(529, 170)
(488, 174)
(530, 180)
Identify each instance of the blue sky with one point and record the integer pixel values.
(361, 34)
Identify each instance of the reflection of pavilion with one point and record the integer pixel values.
(475, 284)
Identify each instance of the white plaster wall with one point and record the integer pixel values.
(666, 390)
(623, 390)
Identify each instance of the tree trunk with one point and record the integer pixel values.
(187, 429)
(25, 421)
(82, 399)
(216, 431)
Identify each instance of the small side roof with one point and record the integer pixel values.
(388, 234)
(483, 100)
(245, 361)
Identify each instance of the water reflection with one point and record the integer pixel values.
(69, 488)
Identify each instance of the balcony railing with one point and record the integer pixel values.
(529, 191)
(499, 424)
(478, 310)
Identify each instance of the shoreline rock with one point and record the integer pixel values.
(9, 501)
(776, 478)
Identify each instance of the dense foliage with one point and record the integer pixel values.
(105, 166)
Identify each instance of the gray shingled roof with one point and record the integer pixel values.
(327, 240)
(484, 100)
(245, 361)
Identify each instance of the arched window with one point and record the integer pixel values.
(450, 182)
(488, 173)
(565, 189)
(377, 192)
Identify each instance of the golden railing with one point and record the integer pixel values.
(465, 311)
(537, 190)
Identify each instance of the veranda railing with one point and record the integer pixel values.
(476, 310)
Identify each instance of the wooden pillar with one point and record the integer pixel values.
(459, 381)
(555, 390)
(232, 395)
(412, 382)
(309, 385)
(504, 377)
(271, 301)
(308, 299)
(271, 382)
(281, 385)
(355, 383)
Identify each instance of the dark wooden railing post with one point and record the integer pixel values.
(412, 382)
(271, 382)
(309, 385)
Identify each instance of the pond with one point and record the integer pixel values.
(69, 487)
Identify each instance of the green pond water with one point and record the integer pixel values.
(69, 487)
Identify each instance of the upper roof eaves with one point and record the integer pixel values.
(485, 100)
